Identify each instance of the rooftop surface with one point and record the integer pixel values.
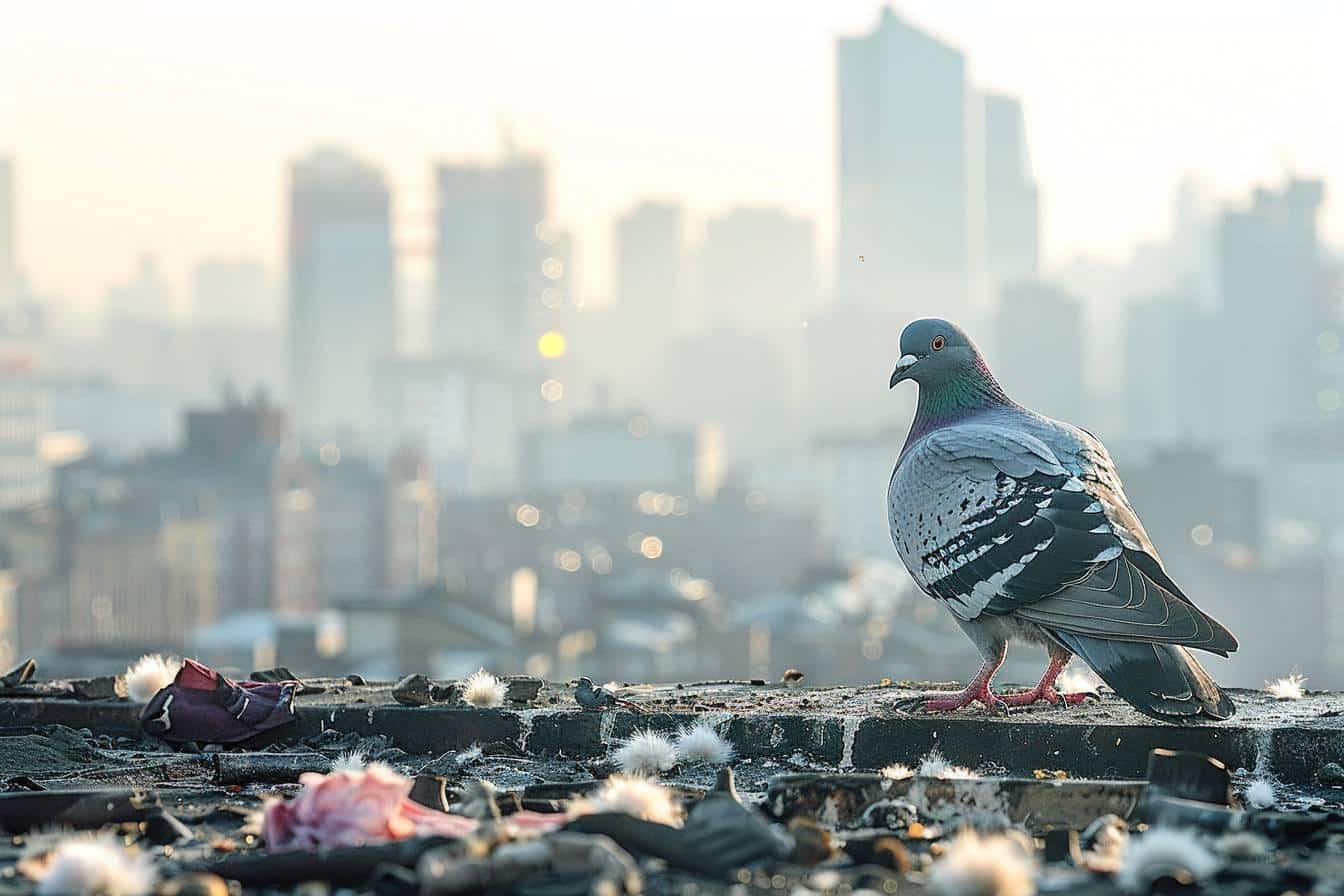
(800, 753)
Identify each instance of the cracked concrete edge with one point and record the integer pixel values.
(1293, 754)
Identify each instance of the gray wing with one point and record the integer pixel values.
(997, 524)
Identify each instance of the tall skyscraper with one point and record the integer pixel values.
(491, 257)
(24, 478)
(757, 269)
(1012, 216)
(9, 265)
(342, 293)
(1171, 379)
(651, 267)
(1037, 349)
(904, 198)
(1274, 296)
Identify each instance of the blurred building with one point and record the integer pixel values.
(427, 629)
(1194, 507)
(121, 421)
(904, 222)
(757, 269)
(650, 270)
(342, 294)
(1171, 378)
(1012, 205)
(24, 413)
(467, 412)
(10, 290)
(609, 450)
(233, 291)
(1037, 349)
(1274, 293)
(491, 257)
(410, 521)
(852, 475)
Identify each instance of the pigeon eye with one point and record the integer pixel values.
(938, 343)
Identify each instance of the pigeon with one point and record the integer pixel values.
(1018, 524)
(595, 697)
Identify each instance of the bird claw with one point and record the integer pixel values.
(999, 707)
(911, 704)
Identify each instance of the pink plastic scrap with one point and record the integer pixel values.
(353, 807)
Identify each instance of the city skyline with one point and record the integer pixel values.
(200, 154)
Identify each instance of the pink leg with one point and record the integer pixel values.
(977, 689)
(1045, 688)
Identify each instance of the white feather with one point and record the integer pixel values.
(1260, 793)
(898, 771)
(701, 743)
(350, 761)
(470, 755)
(635, 796)
(935, 765)
(646, 753)
(150, 674)
(974, 865)
(484, 690)
(96, 867)
(1159, 852)
(1287, 688)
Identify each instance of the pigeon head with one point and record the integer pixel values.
(934, 352)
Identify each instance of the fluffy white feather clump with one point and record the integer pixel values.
(898, 771)
(484, 690)
(974, 865)
(1260, 793)
(150, 674)
(633, 795)
(646, 753)
(935, 765)
(701, 743)
(1287, 688)
(470, 755)
(350, 761)
(1162, 851)
(95, 867)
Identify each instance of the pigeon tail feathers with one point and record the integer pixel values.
(1162, 681)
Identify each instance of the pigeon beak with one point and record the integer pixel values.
(902, 368)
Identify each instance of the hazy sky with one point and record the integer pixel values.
(167, 126)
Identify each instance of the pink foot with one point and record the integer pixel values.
(1044, 694)
(960, 700)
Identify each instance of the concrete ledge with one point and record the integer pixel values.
(846, 728)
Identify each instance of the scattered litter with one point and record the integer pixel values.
(354, 807)
(975, 865)
(1287, 688)
(148, 675)
(646, 753)
(1242, 846)
(702, 744)
(1163, 852)
(1105, 841)
(484, 690)
(203, 706)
